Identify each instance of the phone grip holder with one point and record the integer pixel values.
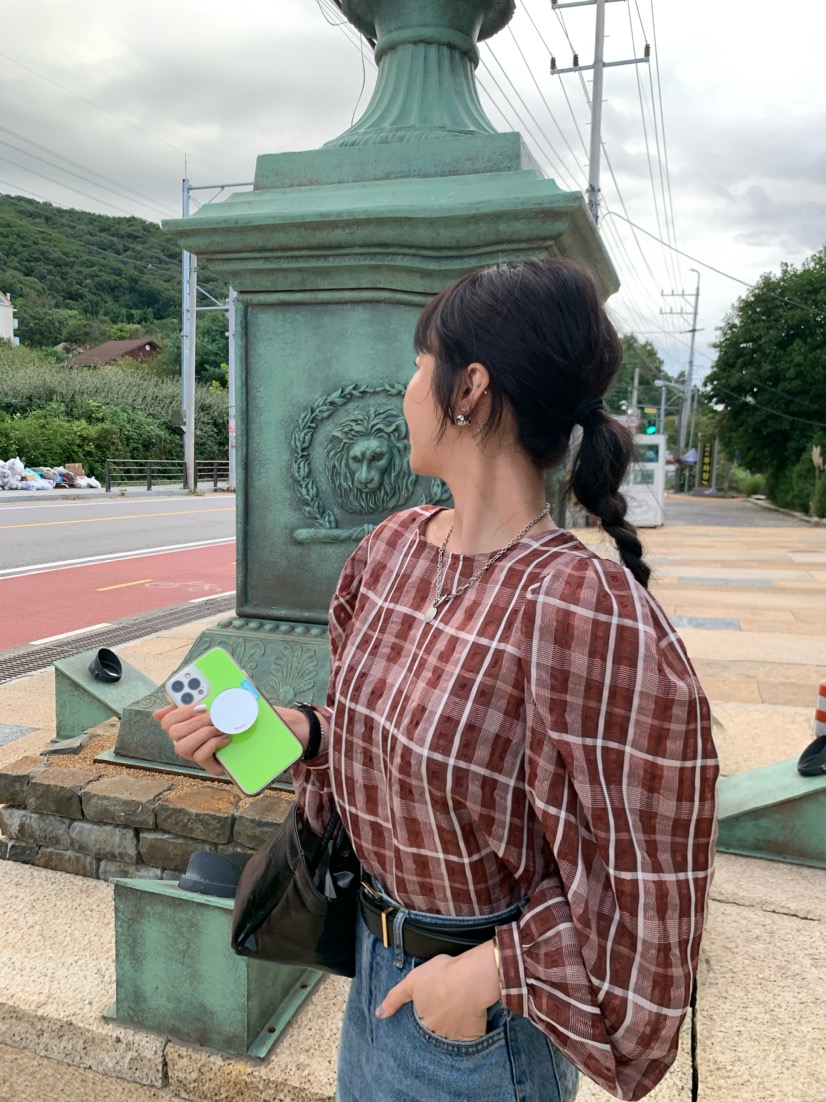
(233, 711)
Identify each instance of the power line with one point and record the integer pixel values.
(668, 259)
(782, 393)
(18, 187)
(157, 263)
(662, 121)
(662, 161)
(561, 83)
(766, 409)
(125, 190)
(60, 183)
(542, 94)
(574, 51)
(773, 294)
(78, 176)
(97, 106)
(560, 163)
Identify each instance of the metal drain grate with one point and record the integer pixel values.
(29, 659)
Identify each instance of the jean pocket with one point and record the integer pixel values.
(567, 1074)
(495, 1034)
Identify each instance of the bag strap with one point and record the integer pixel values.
(331, 839)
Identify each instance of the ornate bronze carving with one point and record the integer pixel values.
(365, 461)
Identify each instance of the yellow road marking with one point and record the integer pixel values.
(123, 585)
(108, 520)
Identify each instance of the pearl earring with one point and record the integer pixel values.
(462, 420)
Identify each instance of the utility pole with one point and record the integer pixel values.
(190, 310)
(599, 66)
(635, 393)
(595, 149)
(189, 375)
(685, 408)
(189, 266)
(233, 295)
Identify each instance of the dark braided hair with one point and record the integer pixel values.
(541, 331)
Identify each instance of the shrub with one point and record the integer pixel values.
(746, 483)
(51, 413)
(794, 487)
(820, 496)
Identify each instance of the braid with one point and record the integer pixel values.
(601, 461)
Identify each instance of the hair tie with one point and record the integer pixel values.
(587, 410)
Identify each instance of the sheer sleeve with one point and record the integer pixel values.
(311, 779)
(620, 769)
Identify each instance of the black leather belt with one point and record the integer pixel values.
(419, 939)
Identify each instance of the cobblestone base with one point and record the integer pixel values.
(75, 821)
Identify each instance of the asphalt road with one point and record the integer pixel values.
(61, 533)
(717, 512)
(69, 567)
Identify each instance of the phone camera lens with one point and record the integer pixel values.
(187, 698)
(193, 683)
(176, 686)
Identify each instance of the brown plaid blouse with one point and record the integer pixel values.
(544, 736)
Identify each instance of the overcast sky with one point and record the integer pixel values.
(125, 90)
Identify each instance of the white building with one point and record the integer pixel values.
(8, 322)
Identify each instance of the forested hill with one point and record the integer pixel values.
(75, 276)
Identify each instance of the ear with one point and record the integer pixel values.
(474, 384)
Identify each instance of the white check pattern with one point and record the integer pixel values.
(544, 737)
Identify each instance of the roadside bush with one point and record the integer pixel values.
(44, 440)
(820, 497)
(748, 484)
(794, 487)
(50, 413)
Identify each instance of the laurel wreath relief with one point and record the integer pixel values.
(302, 439)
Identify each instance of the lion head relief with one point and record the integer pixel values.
(367, 461)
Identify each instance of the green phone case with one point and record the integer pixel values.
(255, 757)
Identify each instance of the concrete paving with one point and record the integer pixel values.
(760, 1003)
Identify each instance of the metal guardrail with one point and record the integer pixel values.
(149, 472)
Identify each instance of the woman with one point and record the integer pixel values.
(515, 738)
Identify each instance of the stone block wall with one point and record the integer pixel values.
(135, 825)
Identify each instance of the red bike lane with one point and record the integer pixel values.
(39, 606)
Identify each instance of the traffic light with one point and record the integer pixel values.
(650, 426)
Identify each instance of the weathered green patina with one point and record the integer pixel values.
(333, 253)
(175, 972)
(81, 701)
(773, 812)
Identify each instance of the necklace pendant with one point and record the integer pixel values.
(430, 613)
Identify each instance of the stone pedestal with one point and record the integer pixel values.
(333, 253)
(176, 974)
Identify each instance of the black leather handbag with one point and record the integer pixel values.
(297, 899)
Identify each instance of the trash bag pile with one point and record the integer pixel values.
(15, 475)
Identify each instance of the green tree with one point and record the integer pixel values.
(84, 277)
(44, 327)
(769, 380)
(642, 355)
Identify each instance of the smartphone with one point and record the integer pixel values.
(262, 746)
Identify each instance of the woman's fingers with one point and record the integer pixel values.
(190, 726)
(205, 755)
(193, 735)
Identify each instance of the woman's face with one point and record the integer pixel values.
(423, 418)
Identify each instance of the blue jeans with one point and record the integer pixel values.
(398, 1059)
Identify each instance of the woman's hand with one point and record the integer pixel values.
(451, 995)
(196, 740)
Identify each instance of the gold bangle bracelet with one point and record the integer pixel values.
(496, 956)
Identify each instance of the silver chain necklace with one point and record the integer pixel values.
(440, 597)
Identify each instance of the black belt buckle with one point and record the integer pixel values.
(384, 931)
